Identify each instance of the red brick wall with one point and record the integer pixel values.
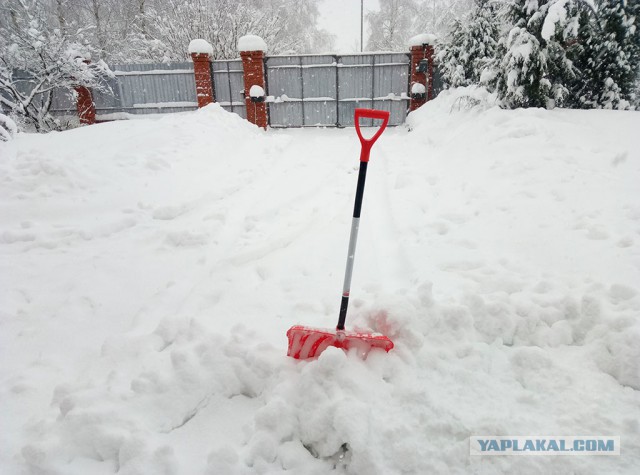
(85, 106)
(253, 65)
(202, 72)
(417, 54)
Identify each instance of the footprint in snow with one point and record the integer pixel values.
(619, 158)
(597, 233)
(169, 212)
(625, 242)
(186, 239)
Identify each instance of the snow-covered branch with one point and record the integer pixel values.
(38, 60)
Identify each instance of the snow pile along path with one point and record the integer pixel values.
(151, 269)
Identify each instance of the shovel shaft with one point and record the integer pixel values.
(357, 207)
(353, 239)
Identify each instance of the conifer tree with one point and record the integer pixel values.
(608, 57)
(472, 46)
(534, 70)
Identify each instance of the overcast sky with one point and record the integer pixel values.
(342, 18)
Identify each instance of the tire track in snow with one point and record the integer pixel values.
(276, 216)
(387, 235)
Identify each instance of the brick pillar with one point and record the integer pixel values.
(202, 73)
(84, 101)
(85, 106)
(419, 53)
(253, 66)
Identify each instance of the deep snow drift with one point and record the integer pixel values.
(150, 270)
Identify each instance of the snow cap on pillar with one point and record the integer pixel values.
(422, 39)
(202, 53)
(200, 46)
(251, 43)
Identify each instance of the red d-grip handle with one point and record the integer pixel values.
(368, 143)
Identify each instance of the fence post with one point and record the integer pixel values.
(201, 52)
(85, 106)
(84, 102)
(252, 49)
(421, 69)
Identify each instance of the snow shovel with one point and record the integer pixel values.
(308, 342)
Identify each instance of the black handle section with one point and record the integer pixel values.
(343, 312)
(362, 176)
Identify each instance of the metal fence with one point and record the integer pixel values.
(303, 90)
(324, 90)
(149, 89)
(139, 89)
(228, 85)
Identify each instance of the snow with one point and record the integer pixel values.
(251, 43)
(8, 128)
(109, 116)
(151, 268)
(418, 88)
(256, 91)
(557, 14)
(153, 72)
(73, 51)
(163, 105)
(422, 39)
(200, 46)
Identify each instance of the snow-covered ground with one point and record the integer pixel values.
(150, 270)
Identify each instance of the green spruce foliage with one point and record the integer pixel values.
(472, 47)
(608, 56)
(551, 53)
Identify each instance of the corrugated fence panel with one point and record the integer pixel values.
(326, 89)
(152, 88)
(304, 90)
(63, 103)
(320, 90)
(355, 82)
(228, 85)
(108, 101)
(390, 85)
(284, 83)
(62, 100)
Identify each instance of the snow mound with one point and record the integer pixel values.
(251, 43)
(200, 46)
(450, 101)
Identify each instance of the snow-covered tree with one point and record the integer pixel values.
(300, 18)
(399, 20)
(534, 70)
(438, 16)
(575, 53)
(608, 56)
(392, 25)
(36, 59)
(471, 47)
(8, 128)
(131, 31)
(285, 25)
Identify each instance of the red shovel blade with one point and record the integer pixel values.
(307, 342)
